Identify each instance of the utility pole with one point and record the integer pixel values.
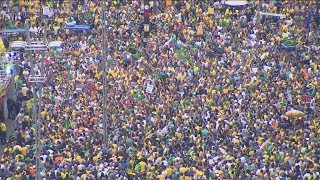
(34, 109)
(39, 121)
(35, 78)
(104, 80)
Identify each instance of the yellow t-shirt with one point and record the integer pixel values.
(3, 127)
(160, 177)
(33, 19)
(183, 169)
(143, 166)
(29, 104)
(24, 150)
(21, 3)
(43, 114)
(169, 171)
(24, 91)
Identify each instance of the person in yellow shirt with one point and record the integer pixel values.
(143, 166)
(160, 177)
(24, 90)
(3, 133)
(24, 150)
(169, 171)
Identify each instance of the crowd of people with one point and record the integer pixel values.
(203, 95)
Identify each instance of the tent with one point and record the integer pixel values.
(55, 44)
(281, 16)
(294, 113)
(11, 31)
(78, 27)
(18, 45)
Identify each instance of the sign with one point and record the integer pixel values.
(146, 28)
(149, 88)
(87, 16)
(46, 10)
(305, 99)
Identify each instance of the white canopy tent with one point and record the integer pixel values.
(18, 45)
(281, 16)
(35, 45)
(55, 44)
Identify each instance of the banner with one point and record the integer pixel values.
(306, 100)
(87, 16)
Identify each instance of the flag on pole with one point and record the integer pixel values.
(231, 87)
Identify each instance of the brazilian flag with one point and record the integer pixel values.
(181, 54)
(133, 49)
(289, 43)
(231, 87)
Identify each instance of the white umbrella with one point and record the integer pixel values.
(236, 3)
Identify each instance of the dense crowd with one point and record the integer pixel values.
(203, 96)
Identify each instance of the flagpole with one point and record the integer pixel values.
(104, 81)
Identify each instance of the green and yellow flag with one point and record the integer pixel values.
(133, 49)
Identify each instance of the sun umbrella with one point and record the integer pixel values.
(236, 3)
(17, 147)
(294, 113)
(58, 159)
(204, 132)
